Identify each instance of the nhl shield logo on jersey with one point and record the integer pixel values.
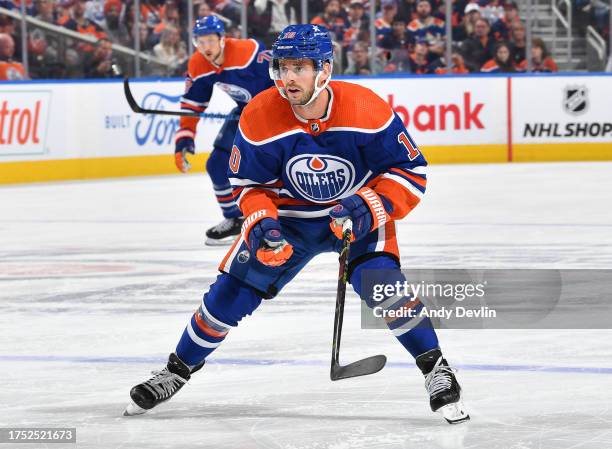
(575, 99)
(320, 178)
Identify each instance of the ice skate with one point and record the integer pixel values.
(224, 233)
(162, 386)
(442, 386)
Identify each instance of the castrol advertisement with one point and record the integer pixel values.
(24, 117)
(93, 120)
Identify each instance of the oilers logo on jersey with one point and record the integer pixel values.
(320, 178)
(237, 93)
(288, 167)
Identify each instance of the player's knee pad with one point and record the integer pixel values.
(229, 300)
(369, 278)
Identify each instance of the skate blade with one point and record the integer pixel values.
(454, 413)
(227, 241)
(132, 409)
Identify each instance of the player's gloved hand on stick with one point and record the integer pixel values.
(367, 209)
(183, 146)
(266, 242)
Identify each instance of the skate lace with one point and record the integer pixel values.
(225, 225)
(439, 379)
(164, 383)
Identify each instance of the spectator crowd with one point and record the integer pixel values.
(487, 35)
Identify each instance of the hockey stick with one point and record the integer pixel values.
(134, 106)
(362, 367)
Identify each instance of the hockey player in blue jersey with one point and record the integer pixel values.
(240, 68)
(308, 155)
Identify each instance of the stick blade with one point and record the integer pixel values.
(362, 367)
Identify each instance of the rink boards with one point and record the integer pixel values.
(84, 130)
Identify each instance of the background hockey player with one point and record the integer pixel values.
(308, 156)
(240, 68)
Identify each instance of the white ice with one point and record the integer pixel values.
(98, 279)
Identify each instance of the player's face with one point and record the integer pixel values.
(298, 77)
(210, 46)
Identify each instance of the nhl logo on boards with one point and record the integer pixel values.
(320, 178)
(575, 99)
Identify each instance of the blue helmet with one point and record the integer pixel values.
(208, 25)
(303, 41)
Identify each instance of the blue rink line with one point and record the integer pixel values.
(153, 360)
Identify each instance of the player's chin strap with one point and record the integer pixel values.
(318, 90)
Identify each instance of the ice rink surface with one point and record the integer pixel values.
(99, 278)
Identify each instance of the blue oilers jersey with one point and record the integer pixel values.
(302, 168)
(243, 74)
